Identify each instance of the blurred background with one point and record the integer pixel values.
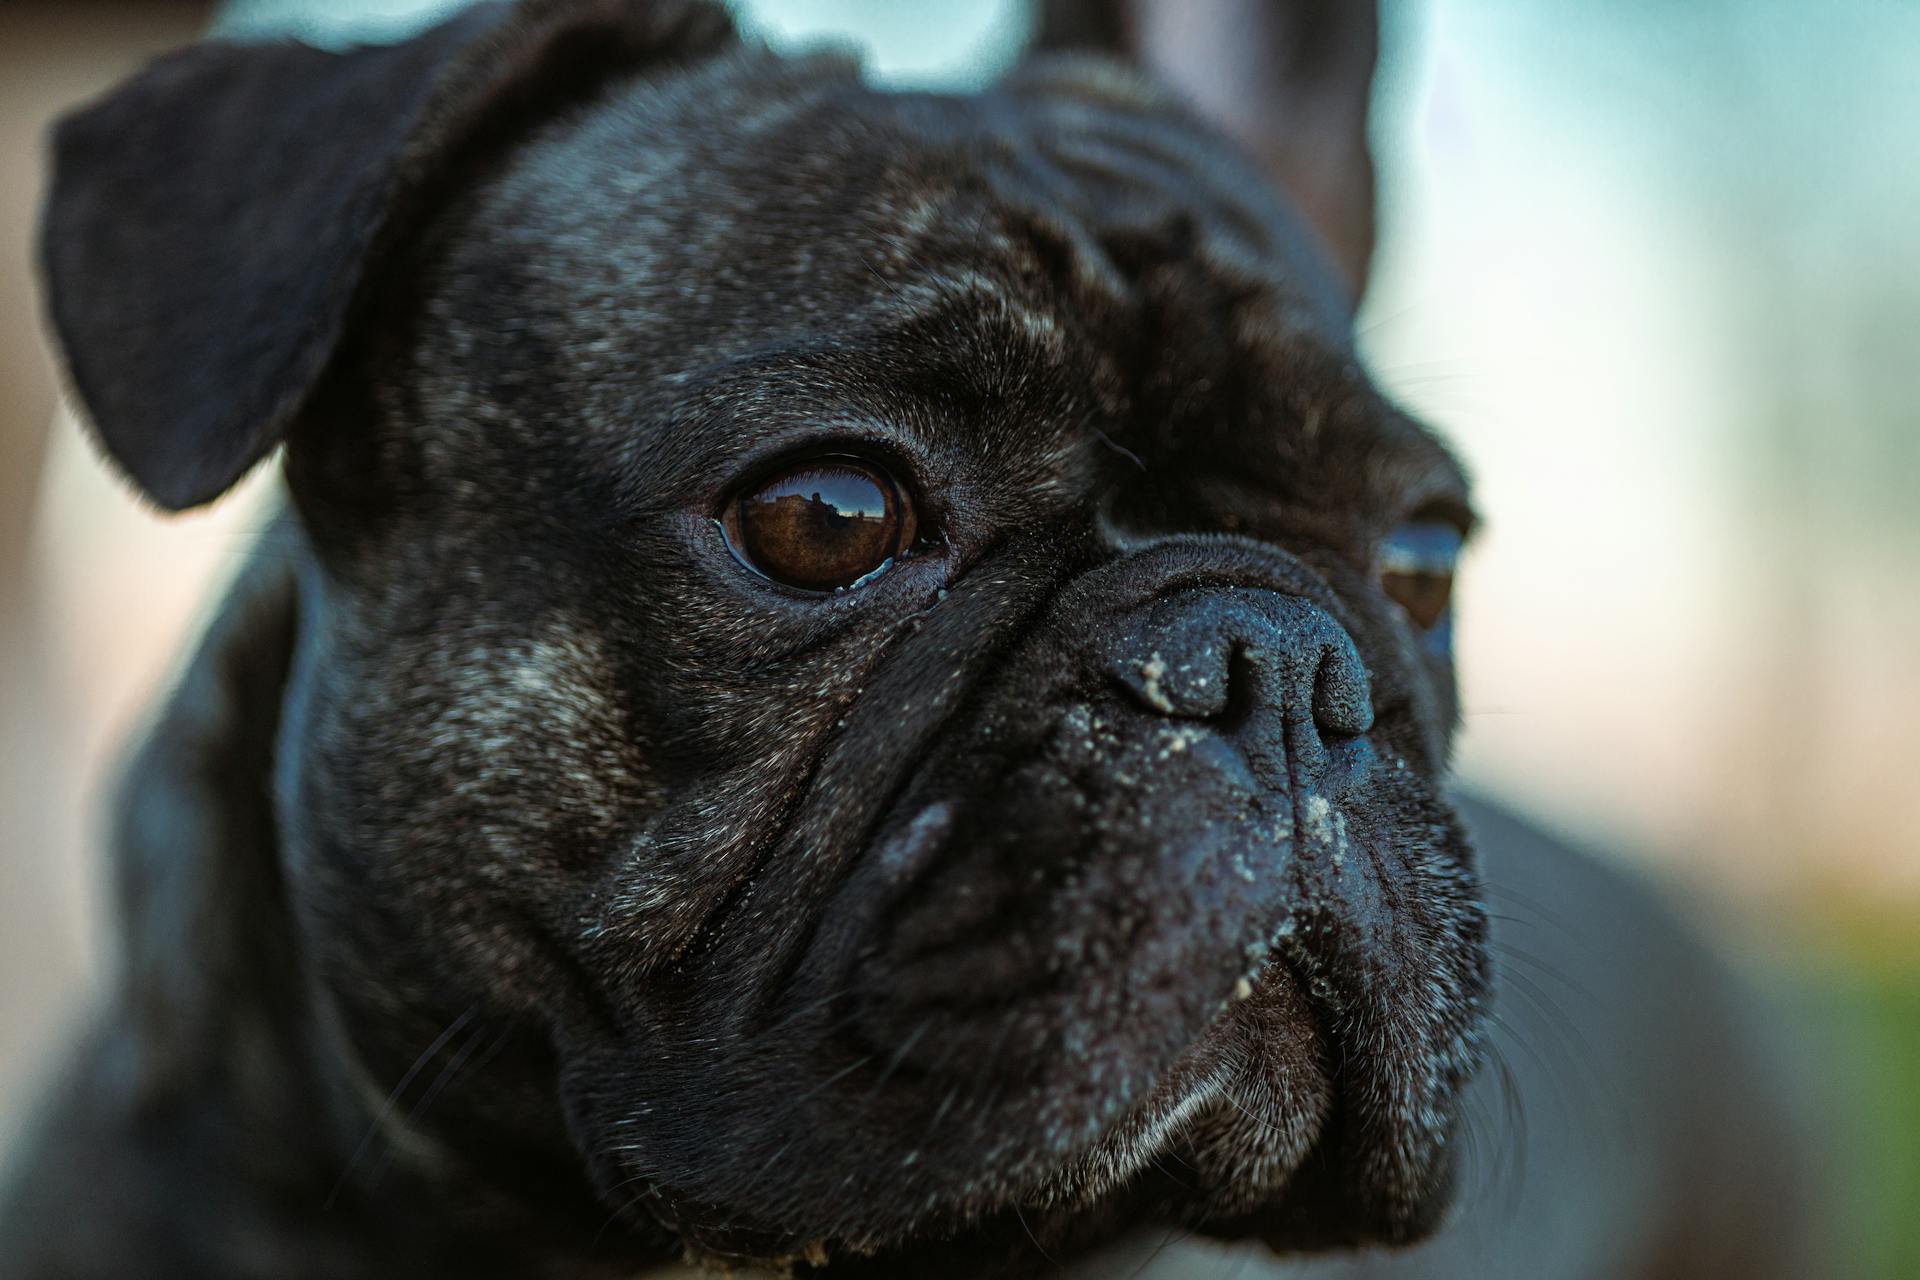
(1652, 269)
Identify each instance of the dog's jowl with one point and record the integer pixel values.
(852, 681)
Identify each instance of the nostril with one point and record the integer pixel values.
(1234, 659)
(1240, 696)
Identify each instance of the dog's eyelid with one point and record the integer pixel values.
(1423, 548)
(825, 448)
(1451, 509)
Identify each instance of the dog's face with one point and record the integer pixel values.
(886, 646)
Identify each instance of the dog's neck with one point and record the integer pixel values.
(223, 1059)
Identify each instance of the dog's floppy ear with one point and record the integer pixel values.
(213, 222)
(1290, 79)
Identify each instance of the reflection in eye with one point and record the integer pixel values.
(823, 525)
(1416, 567)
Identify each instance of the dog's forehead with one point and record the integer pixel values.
(757, 195)
(757, 208)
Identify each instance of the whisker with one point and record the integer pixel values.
(448, 1072)
(380, 1118)
(1036, 1239)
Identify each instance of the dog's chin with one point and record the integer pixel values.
(1013, 1118)
(1234, 1141)
(1024, 1025)
(1217, 1145)
(1246, 1137)
(1221, 1137)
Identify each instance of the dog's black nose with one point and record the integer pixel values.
(1249, 662)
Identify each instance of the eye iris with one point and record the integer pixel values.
(1416, 570)
(1423, 595)
(821, 526)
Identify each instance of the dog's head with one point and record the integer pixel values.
(882, 643)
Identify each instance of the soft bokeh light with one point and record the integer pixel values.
(1651, 268)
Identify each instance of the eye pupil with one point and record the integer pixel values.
(1424, 596)
(820, 525)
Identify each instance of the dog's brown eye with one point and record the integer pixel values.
(1424, 596)
(1416, 570)
(822, 525)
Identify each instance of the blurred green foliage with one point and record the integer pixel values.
(1879, 1080)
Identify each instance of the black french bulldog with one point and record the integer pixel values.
(853, 681)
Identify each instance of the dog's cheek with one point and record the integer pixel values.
(454, 790)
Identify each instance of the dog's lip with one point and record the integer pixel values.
(1207, 1074)
(1127, 1164)
(1202, 1073)
(1295, 970)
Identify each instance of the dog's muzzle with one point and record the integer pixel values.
(1156, 891)
(1166, 823)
